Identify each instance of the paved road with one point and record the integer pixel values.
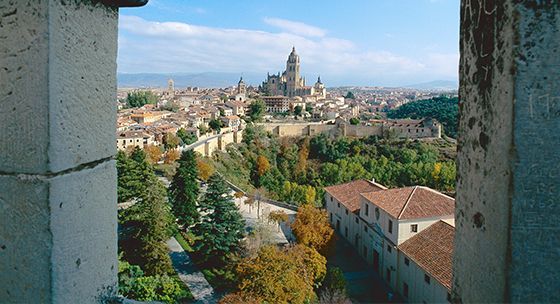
(281, 234)
(190, 275)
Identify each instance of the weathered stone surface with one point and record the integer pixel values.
(57, 84)
(58, 238)
(25, 240)
(506, 240)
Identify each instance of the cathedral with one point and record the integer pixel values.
(290, 83)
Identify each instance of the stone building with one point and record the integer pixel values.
(241, 87)
(393, 229)
(290, 83)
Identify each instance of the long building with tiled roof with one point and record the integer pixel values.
(377, 221)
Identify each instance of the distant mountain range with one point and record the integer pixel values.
(183, 80)
(435, 85)
(222, 80)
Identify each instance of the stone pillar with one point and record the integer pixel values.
(507, 229)
(58, 234)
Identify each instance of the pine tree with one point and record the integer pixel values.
(132, 173)
(153, 229)
(221, 227)
(184, 190)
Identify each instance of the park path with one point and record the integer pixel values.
(188, 273)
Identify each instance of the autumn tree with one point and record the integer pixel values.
(278, 217)
(171, 141)
(282, 275)
(240, 297)
(153, 153)
(205, 169)
(263, 165)
(221, 228)
(171, 156)
(184, 190)
(311, 227)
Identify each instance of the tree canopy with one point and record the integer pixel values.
(184, 190)
(139, 98)
(256, 110)
(444, 109)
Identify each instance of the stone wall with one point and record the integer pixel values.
(58, 241)
(507, 229)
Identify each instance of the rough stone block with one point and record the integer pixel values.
(57, 84)
(58, 241)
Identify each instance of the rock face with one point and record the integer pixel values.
(58, 241)
(507, 232)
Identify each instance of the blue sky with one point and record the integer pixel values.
(352, 42)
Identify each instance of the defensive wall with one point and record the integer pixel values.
(402, 129)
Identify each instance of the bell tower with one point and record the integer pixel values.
(292, 73)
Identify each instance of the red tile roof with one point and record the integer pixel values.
(412, 202)
(348, 194)
(432, 250)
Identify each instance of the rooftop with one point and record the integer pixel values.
(432, 250)
(348, 194)
(412, 202)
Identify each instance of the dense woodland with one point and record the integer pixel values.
(444, 109)
(295, 170)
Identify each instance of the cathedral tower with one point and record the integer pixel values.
(292, 74)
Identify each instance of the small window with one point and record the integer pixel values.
(365, 228)
(390, 226)
(406, 261)
(331, 198)
(414, 228)
(389, 249)
(330, 216)
(427, 279)
(367, 209)
(346, 211)
(338, 205)
(346, 232)
(405, 290)
(356, 219)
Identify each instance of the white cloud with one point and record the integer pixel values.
(170, 47)
(298, 28)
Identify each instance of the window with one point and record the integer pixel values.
(365, 228)
(389, 248)
(367, 209)
(331, 198)
(330, 216)
(427, 279)
(346, 232)
(346, 211)
(338, 205)
(356, 219)
(406, 261)
(390, 226)
(414, 228)
(405, 290)
(448, 297)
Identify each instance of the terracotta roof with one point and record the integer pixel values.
(348, 194)
(432, 250)
(412, 202)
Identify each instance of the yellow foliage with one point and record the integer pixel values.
(311, 227)
(171, 156)
(282, 276)
(263, 165)
(153, 153)
(205, 170)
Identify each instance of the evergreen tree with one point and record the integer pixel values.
(154, 229)
(132, 174)
(184, 190)
(221, 227)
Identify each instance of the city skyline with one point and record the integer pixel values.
(369, 43)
